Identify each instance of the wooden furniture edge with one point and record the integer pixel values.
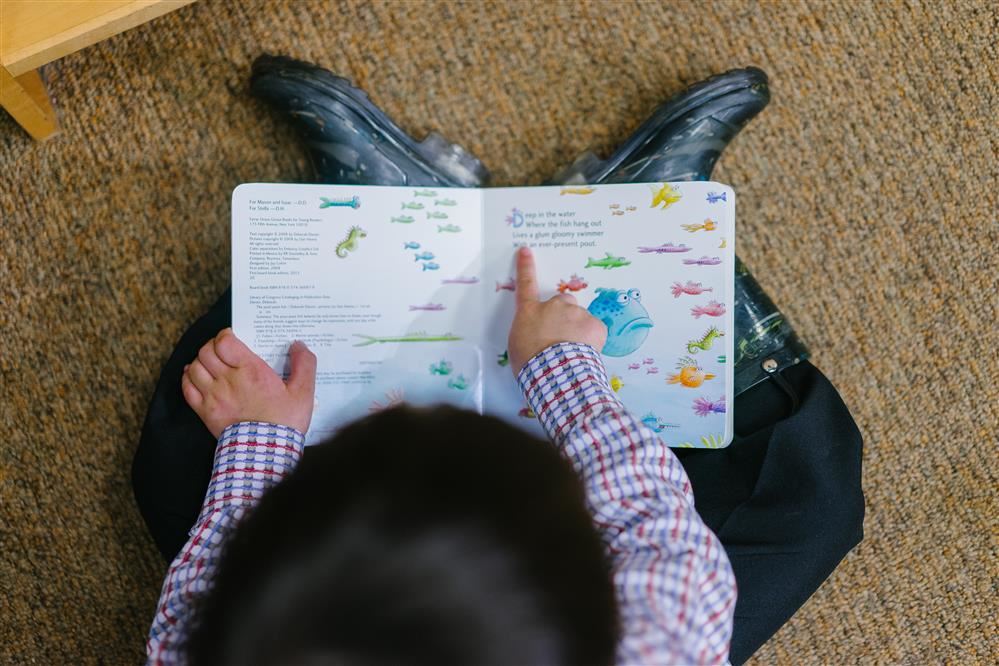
(25, 99)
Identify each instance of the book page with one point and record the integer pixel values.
(382, 283)
(655, 263)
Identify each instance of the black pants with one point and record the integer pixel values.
(785, 498)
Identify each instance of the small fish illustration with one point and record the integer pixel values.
(392, 398)
(652, 421)
(430, 266)
(403, 219)
(616, 383)
(526, 413)
(409, 337)
(585, 189)
(445, 202)
(410, 245)
(648, 361)
(634, 366)
(705, 342)
(607, 262)
(665, 248)
(450, 228)
(706, 225)
(424, 193)
(721, 358)
(722, 244)
(703, 406)
(509, 285)
(652, 371)
(667, 195)
(715, 197)
(703, 261)
(443, 368)
(692, 288)
(503, 359)
(430, 307)
(459, 383)
(691, 375)
(617, 212)
(461, 280)
(614, 206)
(353, 202)
(712, 309)
(575, 283)
(412, 205)
(631, 208)
(436, 215)
(424, 256)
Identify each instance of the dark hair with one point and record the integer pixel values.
(420, 537)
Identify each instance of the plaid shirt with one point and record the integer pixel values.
(675, 586)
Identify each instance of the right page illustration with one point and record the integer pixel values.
(655, 263)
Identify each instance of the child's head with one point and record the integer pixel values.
(415, 537)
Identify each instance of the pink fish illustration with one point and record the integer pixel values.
(692, 288)
(652, 371)
(633, 366)
(648, 361)
(703, 261)
(712, 309)
(703, 406)
(664, 248)
(461, 280)
(575, 283)
(509, 285)
(433, 307)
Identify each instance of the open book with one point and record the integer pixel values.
(407, 293)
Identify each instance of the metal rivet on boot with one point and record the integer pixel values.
(769, 365)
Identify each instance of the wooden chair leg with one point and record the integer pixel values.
(24, 97)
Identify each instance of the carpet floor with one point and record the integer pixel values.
(867, 209)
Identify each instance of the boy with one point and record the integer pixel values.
(518, 579)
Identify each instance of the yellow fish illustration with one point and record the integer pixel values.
(585, 189)
(616, 383)
(691, 375)
(707, 225)
(667, 195)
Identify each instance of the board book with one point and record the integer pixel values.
(406, 294)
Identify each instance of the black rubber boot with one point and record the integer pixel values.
(349, 139)
(681, 141)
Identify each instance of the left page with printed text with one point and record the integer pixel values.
(383, 284)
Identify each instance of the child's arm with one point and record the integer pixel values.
(674, 583)
(242, 401)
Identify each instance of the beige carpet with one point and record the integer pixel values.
(867, 209)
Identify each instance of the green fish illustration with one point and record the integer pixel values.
(412, 205)
(607, 262)
(458, 382)
(424, 193)
(403, 219)
(503, 359)
(450, 228)
(443, 368)
(705, 342)
(409, 337)
(445, 202)
(436, 215)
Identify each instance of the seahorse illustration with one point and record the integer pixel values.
(349, 244)
(705, 342)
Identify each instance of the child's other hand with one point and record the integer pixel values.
(228, 383)
(538, 325)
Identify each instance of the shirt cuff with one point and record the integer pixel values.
(564, 383)
(251, 457)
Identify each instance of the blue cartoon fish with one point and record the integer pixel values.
(424, 256)
(410, 245)
(627, 320)
(715, 197)
(430, 266)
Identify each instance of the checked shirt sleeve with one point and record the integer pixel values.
(251, 458)
(675, 586)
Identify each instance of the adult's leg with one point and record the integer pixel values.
(785, 498)
(172, 466)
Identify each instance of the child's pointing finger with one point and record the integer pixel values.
(527, 277)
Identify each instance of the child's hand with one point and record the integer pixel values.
(538, 325)
(228, 383)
